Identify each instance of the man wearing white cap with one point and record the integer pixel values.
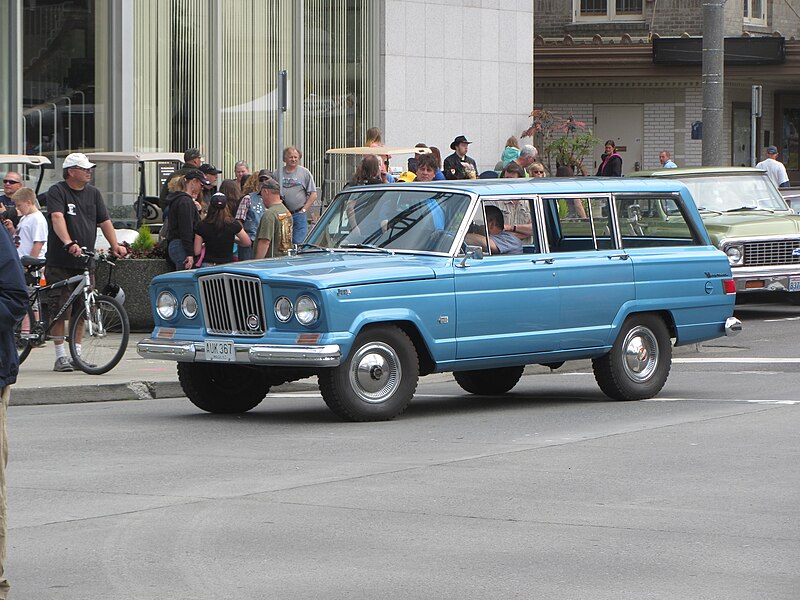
(75, 209)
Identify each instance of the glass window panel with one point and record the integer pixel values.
(629, 7)
(594, 7)
(653, 222)
(575, 224)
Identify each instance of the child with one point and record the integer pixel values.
(32, 228)
(511, 151)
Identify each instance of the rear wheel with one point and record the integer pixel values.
(24, 334)
(377, 380)
(104, 326)
(639, 362)
(223, 389)
(489, 382)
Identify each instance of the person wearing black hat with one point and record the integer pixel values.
(192, 159)
(184, 217)
(218, 231)
(211, 172)
(458, 165)
(774, 167)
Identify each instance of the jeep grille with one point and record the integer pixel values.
(232, 304)
(774, 252)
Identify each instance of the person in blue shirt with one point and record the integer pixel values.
(666, 160)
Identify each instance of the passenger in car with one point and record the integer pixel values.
(500, 241)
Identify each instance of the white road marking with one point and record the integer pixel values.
(781, 320)
(740, 360)
(745, 401)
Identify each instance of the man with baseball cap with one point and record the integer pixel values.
(458, 165)
(75, 209)
(211, 172)
(192, 159)
(274, 237)
(774, 167)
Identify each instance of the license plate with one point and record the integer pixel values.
(220, 351)
(794, 284)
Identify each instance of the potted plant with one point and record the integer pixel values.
(562, 141)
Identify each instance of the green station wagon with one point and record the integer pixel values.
(746, 217)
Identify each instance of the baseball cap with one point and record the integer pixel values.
(265, 174)
(197, 174)
(76, 159)
(218, 200)
(271, 185)
(772, 150)
(209, 169)
(406, 177)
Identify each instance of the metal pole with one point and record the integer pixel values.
(755, 113)
(55, 131)
(713, 82)
(280, 115)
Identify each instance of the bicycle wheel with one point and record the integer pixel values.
(105, 330)
(22, 335)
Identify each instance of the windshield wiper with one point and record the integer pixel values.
(313, 246)
(366, 247)
(742, 208)
(703, 208)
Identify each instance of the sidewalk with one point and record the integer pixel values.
(136, 378)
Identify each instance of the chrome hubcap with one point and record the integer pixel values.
(640, 354)
(375, 372)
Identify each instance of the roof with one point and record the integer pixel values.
(134, 157)
(680, 172)
(363, 150)
(24, 159)
(538, 185)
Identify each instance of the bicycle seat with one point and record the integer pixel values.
(30, 261)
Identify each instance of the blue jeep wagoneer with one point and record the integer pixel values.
(476, 277)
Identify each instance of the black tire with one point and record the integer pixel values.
(223, 389)
(639, 362)
(489, 382)
(105, 346)
(377, 380)
(21, 333)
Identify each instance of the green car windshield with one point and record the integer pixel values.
(723, 193)
(413, 220)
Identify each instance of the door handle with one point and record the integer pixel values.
(618, 256)
(547, 261)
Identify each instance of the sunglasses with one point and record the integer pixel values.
(84, 169)
(11, 181)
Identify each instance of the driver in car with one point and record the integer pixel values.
(500, 241)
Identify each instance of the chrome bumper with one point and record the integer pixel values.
(764, 279)
(256, 354)
(733, 326)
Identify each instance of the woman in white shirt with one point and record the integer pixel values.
(32, 228)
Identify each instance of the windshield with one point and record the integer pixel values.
(722, 193)
(392, 219)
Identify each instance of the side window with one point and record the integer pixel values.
(490, 231)
(578, 223)
(653, 221)
(518, 220)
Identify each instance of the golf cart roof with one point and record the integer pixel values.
(363, 150)
(134, 157)
(32, 160)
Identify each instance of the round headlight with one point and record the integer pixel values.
(306, 310)
(189, 306)
(734, 254)
(283, 309)
(166, 305)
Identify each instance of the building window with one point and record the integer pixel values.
(609, 10)
(755, 11)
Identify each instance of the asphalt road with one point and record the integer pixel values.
(548, 492)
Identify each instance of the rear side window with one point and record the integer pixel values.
(579, 223)
(654, 221)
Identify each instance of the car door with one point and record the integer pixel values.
(595, 277)
(506, 304)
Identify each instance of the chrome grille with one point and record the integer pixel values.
(232, 304)
(772, 252)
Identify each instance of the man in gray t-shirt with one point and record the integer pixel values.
(500, 242)
(299, 192)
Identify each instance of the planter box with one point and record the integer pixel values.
(134, 275)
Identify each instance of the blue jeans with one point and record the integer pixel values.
(246, 252)
(299, 227)
(177, 254)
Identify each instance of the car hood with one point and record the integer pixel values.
(331, 269)
(753, 224)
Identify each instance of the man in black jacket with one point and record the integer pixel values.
(458, 165)
(13, 303)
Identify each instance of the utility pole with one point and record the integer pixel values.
(713, 82)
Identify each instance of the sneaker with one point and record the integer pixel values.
(63, 365)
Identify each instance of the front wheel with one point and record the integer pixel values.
(489, 382)
(223, 389)
(638, 364)
(101, 330)
(377, 380)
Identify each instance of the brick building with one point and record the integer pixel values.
(632, 68)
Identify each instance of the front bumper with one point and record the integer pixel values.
(255, 354)
(765, 279)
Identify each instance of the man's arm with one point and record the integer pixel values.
(262, 247)
(60, 227)
(107, 227)
(309, 201)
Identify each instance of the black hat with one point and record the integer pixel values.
(271, 185)
(265, 174)
(192, 154)
(459, 140)
(209, 169)
(218, 200)
(197, 174)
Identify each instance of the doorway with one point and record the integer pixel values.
(623, 123)
(741, 136)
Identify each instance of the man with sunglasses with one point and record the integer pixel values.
(75, 209)
(8, 211)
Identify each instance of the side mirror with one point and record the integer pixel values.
(474, 252)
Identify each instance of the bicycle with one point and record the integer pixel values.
(102, 320)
